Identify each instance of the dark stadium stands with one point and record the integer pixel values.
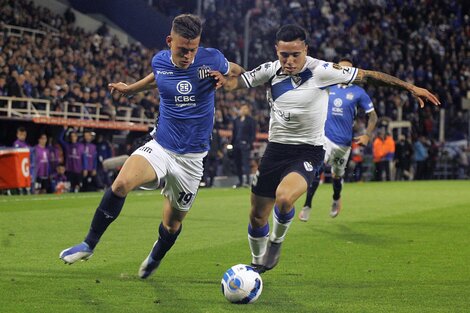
(44, 55)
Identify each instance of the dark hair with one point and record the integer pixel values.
(188, 26)
(346, 59)
(290, 32)
(21, 129)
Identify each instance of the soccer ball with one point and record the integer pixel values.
(241, 284)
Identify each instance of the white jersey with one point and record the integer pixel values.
(299, 103)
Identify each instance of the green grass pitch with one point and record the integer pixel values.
(395, 247)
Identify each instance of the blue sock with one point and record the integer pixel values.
(281, 223)
(311, 192)
(283, 218)
(258, 232)
(337, 186)
(108, 210)
(258, 239)
(164, 243)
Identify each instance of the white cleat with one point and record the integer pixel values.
(304, 214)
(335, 208)
(80, 252)
(147, 267)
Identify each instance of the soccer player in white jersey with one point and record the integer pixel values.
(342, 106)
(298, 96)
(186, 76)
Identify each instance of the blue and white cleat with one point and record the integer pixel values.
(148, 267)
(80, 252)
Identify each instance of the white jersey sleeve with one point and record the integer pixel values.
(328, 74)
(260, 75)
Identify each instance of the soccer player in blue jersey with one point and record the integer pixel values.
(298, 97)
(184, 76)
(344, 99)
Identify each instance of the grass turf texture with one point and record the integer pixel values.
(395, 247)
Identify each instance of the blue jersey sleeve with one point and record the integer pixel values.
(220, 61)
(365, 102)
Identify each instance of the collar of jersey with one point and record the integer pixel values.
(279, 71)
(344, 86)
(171, 59)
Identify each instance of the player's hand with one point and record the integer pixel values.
(422, 95)
(120, 87)
(220, 79)
(362, 140)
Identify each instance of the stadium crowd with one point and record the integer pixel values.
(425, 42)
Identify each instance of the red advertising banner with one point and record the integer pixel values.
(90, 123)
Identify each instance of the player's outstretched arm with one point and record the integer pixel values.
(364, 139)
(234, 83)
(235, 70)
(146, 83)
(421, 94)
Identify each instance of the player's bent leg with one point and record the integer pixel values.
(135, 172)
(258, 229)
(304, 214)
(289, 190)
(337, 187)
(168, 232)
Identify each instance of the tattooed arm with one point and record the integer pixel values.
(379, 78)
(364, 139)
(235, 83)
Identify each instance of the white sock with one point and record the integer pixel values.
(258, 248)
(281, 223)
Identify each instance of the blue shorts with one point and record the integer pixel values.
(281, 159)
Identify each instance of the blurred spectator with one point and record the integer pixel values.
(59, 181)
(243, 137)
(462, 164)
(213, 159)
(421, 156)
(380, 151)
(56, 155)
(403, 155)
(389, 153)
(433, 154)
(20, 141)
(42, 166)
(91, 182)
(3, 85)
(104, 151)
(73, 151)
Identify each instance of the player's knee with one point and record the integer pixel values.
(121, 187)
(284, 201)
(172, 229)
(257, 219)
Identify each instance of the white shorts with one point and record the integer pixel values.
(182, 173)
(336, 156)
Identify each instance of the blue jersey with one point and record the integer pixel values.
(342, 104)
(187, 99)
